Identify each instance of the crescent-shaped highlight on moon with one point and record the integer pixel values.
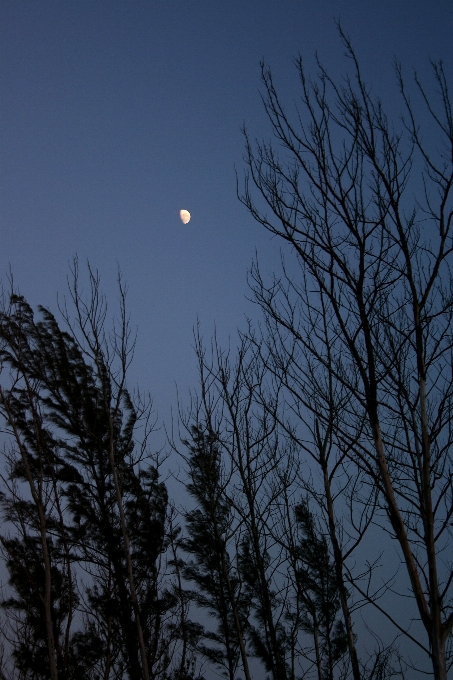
(185, 216)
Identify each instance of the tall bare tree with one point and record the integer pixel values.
(366, 307)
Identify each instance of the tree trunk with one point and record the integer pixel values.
(338, 559)
(317, 652)
(37, 498)
(127, 553)
(237, 621)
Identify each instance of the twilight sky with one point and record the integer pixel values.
(115, 114)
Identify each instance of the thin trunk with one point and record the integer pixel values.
(108, 659)
(338, 559)
(437, 631)
(222, 608)
(430, 614)
(237, 621)
(399, 528)
(278, 671)
(278, 664)
(37, 499)
(182, 618)
(48, 609)
(438, 656)
(125, 616)
(232, 599)
(127, 553)
(317, 652)
(47, 595)
(70, 615)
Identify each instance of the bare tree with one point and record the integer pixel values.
(366, 210)
(293, 598)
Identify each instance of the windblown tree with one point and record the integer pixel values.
(211, 529)
(38, 555)
(366, 307)
(93, 500)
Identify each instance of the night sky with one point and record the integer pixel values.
(115, 114)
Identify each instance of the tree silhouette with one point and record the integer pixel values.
(210, 528)
(95, 502)
(366, 211)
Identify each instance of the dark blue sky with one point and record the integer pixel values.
(115, 114)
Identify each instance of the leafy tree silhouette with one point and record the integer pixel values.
(210, 528)
(95, 502)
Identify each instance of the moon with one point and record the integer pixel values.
(185, 216)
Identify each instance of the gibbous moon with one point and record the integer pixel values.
(185, 216)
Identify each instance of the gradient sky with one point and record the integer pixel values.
(115, 114)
